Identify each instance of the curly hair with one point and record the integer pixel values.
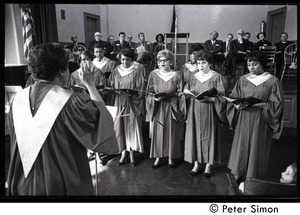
(127, 53)
(165, 53)
(47, 60)
(257, 56)
(204, 55)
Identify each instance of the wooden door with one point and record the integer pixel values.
(91, 25)
(275, 24)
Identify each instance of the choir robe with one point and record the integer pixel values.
(99, 77)
(255, 127)
(129, 128)
(62, 166)
(187, 70)
(166, 117)
(106, 66)
(202, 134)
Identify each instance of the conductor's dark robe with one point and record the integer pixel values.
(255, 127)
(62, 166)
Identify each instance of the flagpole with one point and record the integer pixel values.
(175, 42)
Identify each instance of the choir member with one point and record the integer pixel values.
(129, 75)
(254, 125)
(165, 113)
(204, 116)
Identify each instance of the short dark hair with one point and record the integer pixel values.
(47, 60)
(127, 53)
(163, 38)
(122, 33)
(284, 33)
(204, 55)
(86, 53)
(247, 33)
(100, 46)
(140, 34)
(257, 56)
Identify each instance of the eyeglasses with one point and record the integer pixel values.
(163, 61)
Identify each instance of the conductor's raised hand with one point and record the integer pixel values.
(86, 74)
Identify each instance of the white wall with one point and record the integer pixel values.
(198, 20)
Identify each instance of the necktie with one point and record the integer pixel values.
(227, 48)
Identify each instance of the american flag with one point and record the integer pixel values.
(27, 28)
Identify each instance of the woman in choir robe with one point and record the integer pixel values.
(255, 125)
(106, 66)
(86, 59)
(165, 113)
(51, 127)
(190, 67)
(131, 107)
(204, 116)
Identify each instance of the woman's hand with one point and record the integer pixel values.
(159, 98)
(86, 75)
(241, 106)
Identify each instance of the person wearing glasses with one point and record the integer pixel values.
(166, 112)
(239, 48)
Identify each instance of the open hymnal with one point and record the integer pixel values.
(78, 88)
(166, 95)
(210, 93)
(251, 100)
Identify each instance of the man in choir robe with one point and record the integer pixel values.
(279, 57)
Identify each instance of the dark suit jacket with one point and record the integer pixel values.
(244, 47)
(132, 45)
(118, 47)
(216, 48)
(72, 45)
(224, 46)
(261, 43)
(280, 47)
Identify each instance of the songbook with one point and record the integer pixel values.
(130, 91)
(210, 93)
(78, 88)
(166, 95)
(251, 100)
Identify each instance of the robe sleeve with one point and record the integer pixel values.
(137, 100)
(101, 79)
(274, 111)
(220, 102)
(231, 112)
(91, 124)
(150, 99)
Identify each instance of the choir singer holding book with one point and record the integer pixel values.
(255, 125)
(204, 114)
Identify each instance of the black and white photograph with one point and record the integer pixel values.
(150, 102)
